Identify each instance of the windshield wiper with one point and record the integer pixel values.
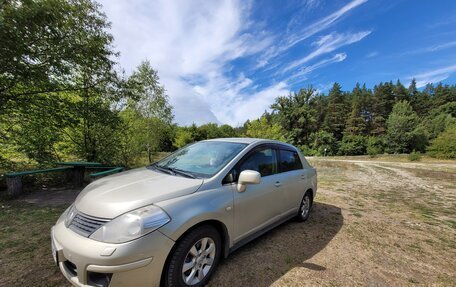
(181, 172)
(174, 171)
(163, 169)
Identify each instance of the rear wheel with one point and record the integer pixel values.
(194, 259)
(306, 206)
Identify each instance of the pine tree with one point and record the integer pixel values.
(400, 92)
(335, 117)
(383, 102)
(356, 124)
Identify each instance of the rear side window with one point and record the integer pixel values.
(264, 161)
(289, 160)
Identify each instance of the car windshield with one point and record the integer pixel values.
(202, 159)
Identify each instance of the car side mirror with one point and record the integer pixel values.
(248, 177)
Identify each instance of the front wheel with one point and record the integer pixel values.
(194, 259)
(306, 206)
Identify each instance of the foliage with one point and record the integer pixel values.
(414, 156)
(154, 112)
(261, 128)
(444, 146)
(183, 138)
(334, 121)
(353, 145)
(294, 113)
(323, 143)
(401, 124)
(46, 44)
(61, 98)
(375, 146)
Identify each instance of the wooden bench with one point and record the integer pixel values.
(110, 171)
(14, 179)
(78, 169)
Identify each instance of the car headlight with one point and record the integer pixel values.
(132, 225)
(71, 213)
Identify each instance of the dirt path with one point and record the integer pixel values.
(375, 223)
(50, 197)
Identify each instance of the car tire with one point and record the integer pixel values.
(199, 261)
(305, 207)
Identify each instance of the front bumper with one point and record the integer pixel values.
(86, 262)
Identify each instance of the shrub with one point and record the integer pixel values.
(414, 156)
(375, 146)
(324, 143)
(353, 145)
(444, 146)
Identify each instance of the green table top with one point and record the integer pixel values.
(80, 163)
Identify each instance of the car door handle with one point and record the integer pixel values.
(277, 184)
(303, 176)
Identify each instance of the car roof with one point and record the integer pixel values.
(250, 141)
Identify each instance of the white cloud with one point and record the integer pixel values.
(433, 76)
(429, 49)
(327, 44)
(300, 75)
(296, 34)
(188, 42)
(322, 24)
(192, 45)
(372, 54)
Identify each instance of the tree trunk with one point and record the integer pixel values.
(14, 185)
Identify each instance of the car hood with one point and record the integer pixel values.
(114, 195)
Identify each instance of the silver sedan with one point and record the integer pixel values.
(172, 222)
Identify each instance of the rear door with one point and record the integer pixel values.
(260, 204)
(292, 177)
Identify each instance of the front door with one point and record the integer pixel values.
(260, 204)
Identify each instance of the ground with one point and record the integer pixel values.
(374, 222)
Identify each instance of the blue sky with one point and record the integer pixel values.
(226, 61)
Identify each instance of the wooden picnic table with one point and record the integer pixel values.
(78, 170)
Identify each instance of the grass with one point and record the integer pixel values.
(372, 223)
(25, 255)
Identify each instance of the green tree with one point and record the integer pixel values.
(356, 123)
(401, 125)
(151, 102)
(375, 146)
(46, 43)
(261, 128)
(444, 146)
(183, 137)
(353, 145)
(227, 131)
(336, 112)
(383, 101)
(296, 116)
(55, 78)
(323, 143)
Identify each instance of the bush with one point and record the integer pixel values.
(307, 151)
(444, 146)
(414, 156)
(375, 146)
(353, 145)
(323, 143)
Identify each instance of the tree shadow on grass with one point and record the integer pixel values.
(267, 258)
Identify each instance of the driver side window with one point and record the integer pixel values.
(264, 161)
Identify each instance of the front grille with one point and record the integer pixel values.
(86, 225)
